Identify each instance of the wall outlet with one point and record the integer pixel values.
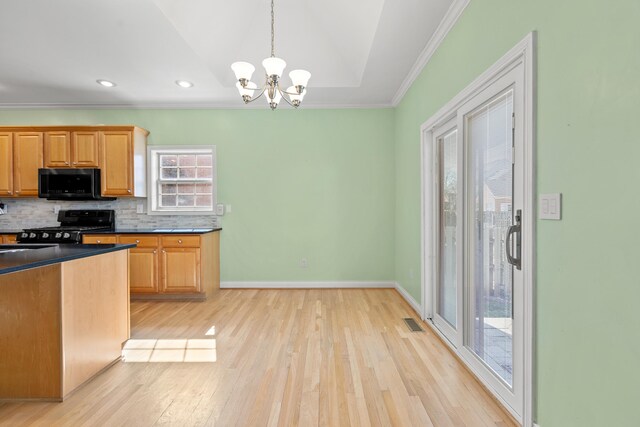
(304, 263)
(56, 209)
(228, 208)
(219, 209)
(140, 208)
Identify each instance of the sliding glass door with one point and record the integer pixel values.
(448, 293)
(490, 142)
(477, 175)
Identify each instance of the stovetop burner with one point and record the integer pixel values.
(72, 224)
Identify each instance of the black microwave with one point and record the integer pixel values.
(70, 184)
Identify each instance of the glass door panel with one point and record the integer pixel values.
(490, 142)
(447, 294)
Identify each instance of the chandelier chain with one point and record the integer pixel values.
(273, 51)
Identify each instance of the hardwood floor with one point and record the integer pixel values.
(276, 358)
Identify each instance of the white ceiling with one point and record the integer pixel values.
(359, 52)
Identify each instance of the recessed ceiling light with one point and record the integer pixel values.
(183, 83)
(106, 83)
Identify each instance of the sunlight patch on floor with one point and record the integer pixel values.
(169, 350)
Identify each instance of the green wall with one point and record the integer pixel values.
(588, 269)
(315, 184)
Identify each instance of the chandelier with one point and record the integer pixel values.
(273, 67)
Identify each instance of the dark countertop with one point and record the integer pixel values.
(156, 231)
(16, 261)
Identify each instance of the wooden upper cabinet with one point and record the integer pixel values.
(116, 156)
(123, 161)
(71, 149)
(6, 164)
(28, 151)
(57, 149)
(119, 151)
(85, 149)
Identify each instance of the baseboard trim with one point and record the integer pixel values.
(306, 285)
(409, 299)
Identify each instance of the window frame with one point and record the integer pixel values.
(154, 181)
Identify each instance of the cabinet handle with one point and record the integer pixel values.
(99, 241)
(75, 163)
(164, 252)
(129, 191)
(154, 251)
(137, 241)
(66, 163)
(10, 192)
(180, 241)
(17, 192)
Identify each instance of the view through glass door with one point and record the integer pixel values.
(490, 142)
(478, 188)
(448, 293)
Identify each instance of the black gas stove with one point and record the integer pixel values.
(73, 223)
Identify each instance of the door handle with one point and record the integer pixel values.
(517, 230)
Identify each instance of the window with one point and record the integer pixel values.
(182, 180)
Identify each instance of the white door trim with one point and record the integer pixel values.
(523, 53)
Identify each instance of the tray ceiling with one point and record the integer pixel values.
(358, 51)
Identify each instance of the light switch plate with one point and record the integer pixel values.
(219, 209)
(550, 206)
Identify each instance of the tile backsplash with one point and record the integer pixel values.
(29, 213)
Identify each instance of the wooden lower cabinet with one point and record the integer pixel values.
(143, 263)
(7, 238)
(180, 270)
(169, 265)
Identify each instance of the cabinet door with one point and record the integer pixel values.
(143, 270)
(27, 159)
(8, 238)
(116, 163)
(180, 270)
(85, 149)
(6, 164)
(57, 149)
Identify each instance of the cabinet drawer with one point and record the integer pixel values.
(90, 239)
(180, 241)
(143, 241)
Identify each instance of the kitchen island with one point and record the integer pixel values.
(64, 316)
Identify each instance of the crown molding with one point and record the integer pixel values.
(183, 106)
(447, 23)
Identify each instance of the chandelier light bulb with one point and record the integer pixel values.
(243, 70)
(274, 66)
(296, 98)
(277, 97)
(299, 78)
(246, 91)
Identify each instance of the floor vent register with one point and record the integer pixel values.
(413, 325)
